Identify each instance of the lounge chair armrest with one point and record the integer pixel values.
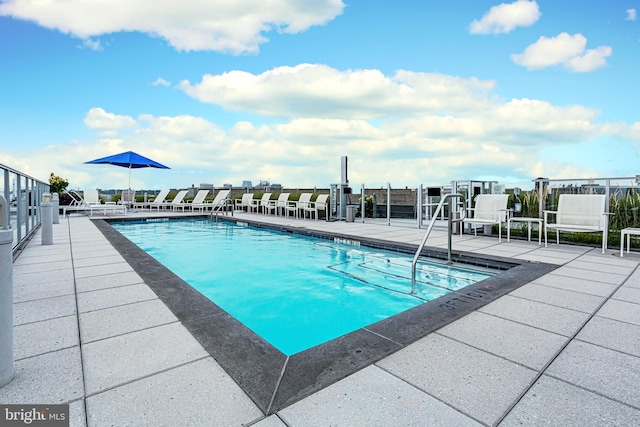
(546, 213)
(508, 213)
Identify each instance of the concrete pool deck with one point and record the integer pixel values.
(563, 349)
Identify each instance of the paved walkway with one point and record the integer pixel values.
(562, 350)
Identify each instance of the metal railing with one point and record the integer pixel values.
(224, 206)
(450, 222)
(24, 195)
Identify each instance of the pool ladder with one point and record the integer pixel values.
(221, 207)
(450, 221)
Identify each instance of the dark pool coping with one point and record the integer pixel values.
(272, 379)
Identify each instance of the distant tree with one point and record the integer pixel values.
(57, 183)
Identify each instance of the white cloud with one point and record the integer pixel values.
(479, 135)
(311, 90)
(236, 26)
(502, 139)
(107, 123)
(631, 15)
(161, 82)
(505, 17)
(91, 44)
(566, 50)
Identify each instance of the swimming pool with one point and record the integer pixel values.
(294, 291)
(274, 380)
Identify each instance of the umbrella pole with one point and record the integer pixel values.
(129, 176)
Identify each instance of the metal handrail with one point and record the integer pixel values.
(223, 204)
(426, 235)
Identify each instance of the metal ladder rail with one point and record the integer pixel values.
(426, 235)
(216, 209)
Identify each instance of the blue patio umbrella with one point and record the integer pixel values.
(130, 160)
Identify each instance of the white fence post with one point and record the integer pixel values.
(6, 295)
(47, 219)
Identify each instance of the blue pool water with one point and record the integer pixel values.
(294, 291)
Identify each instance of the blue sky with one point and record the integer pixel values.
(413, 92)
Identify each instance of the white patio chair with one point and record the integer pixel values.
(314, 208)
(245, 203)
(279, 205)
(262, 203)
(489, 209)
(579, 213)
(297, 207)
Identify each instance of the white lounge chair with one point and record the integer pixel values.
(78, 203)
(91, 197)
(176, 200)
(127, 197)
(219, 201)
(296, 207)
(579, 213)
(490, 209)
(89, 203)
(279, 205)
(195, 203)
(262, 203)
(157, 201)
(245, 202)
(320, 205)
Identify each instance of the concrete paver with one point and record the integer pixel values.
(119, 360)
(101, 270)
(54, 377)
(529, 346)
(596, 276)
(559, 297)
(621, 310)
(38, 277)
(601, 370)
(373, 397)
(77, 414)
(43, 309)
(271, 421)
(45, 336)
(113, 321)
(576, 284)
(627, 294)
(474, 382)
(554, 402)
(101, 260)
(613, 334)
(37, 291)
(539, 315)
(112, 297)
(206, 394)
(105, 281)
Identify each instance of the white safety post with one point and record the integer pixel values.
(388, 203)
(47, 219)
(6, 295)
(419, 203)
(363, 204)
(55, 201)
